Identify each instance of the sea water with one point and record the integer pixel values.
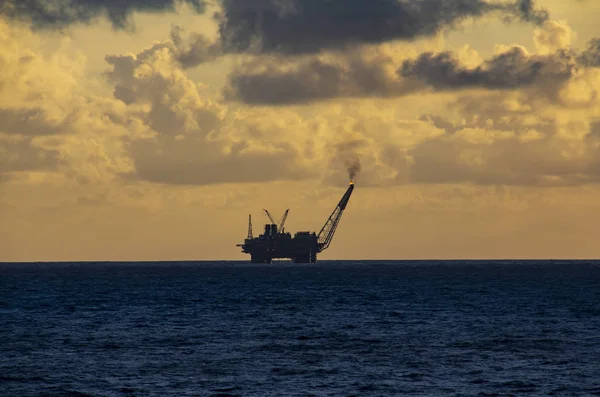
(347, 328)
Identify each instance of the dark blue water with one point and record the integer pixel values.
(429, 328)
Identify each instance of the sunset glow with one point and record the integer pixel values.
(150, 132)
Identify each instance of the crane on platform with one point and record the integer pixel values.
(270, 217)
(283, 219)
(328, 230)
(281, 222)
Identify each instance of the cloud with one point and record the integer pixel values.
(499, 139)
(305, 26)
(369, 72)
(155, 77)
(28, 121)
(277, 80)
(487, 157)
(25, 154)
(193, 161)
(191, 139)
(195, 49)
(32, 94)
(526, 11)
(511, 69)
(161, 127)
(552, 36)
(36, 92)
(157, 127)
(277, 83)
(483, 138)
(591, 56)
(176, 53)
(49, 124)
(566, 77)
(57, 14)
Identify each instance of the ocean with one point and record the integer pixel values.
(335, 328)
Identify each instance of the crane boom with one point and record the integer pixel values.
(270, 217)
(326, 234)
(283, 218)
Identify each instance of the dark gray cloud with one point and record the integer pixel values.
(278, 81)
(56, 14)
(194, 49)
(511, 69)
(591, 56)
(272, 81)
(24, 155)
(27, 122)
(310, 81)
(526, 10)
(303, 26)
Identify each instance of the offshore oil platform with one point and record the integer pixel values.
(275, 242)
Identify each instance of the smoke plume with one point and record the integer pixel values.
(353, 167)
(348, 152)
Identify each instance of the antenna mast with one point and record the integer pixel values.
(250, 237)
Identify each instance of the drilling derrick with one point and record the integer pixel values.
(303, 247)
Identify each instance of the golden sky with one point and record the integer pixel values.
(149, 130)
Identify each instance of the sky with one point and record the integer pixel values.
(149, 129)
